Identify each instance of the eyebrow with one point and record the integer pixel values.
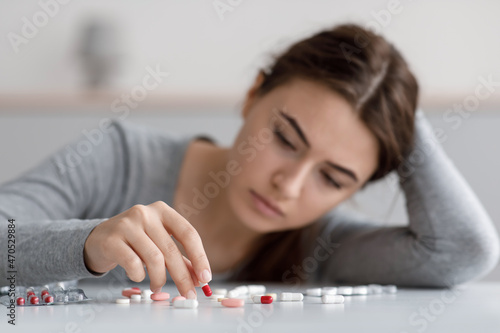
(299, 131)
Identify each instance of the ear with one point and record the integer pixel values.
(251, 94)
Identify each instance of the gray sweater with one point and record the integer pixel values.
(450, 238)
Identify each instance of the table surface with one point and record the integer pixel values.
(472, 307)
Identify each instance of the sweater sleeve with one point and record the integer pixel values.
(450, 238)
(56, 205)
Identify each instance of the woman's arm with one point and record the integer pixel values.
(57, 204)
(450, 238)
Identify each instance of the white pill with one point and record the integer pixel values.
(344, 290)
(360, 290)
(284, 297)
(243, 290)
(233, 293)
(330, 299)
(122, 301)
(390, 289)
(329, 291)
(375, 289)
(186, 303)
(216, 296)
(220, 291)
(313, 292)
(135, 297)
(256, 289)
(146, 294)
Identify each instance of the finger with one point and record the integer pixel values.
(173, 258)
(191, 271)
(187, 235)
(129, 260)
(152, 256)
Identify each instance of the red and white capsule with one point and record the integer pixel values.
(34, 300)
(262, 299)
(48, 298)
(206, 289)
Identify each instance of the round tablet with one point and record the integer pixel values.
(160, 296)
(178, 298)
(233, 302)
(122, 301)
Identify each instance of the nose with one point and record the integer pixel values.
(289, 181)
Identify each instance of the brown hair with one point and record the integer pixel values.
(375, 79)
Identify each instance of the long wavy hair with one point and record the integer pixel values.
(374, 78)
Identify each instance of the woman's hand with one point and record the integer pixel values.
(142, 235)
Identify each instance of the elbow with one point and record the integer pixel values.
(470, 260)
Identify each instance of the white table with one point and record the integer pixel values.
(468, 308)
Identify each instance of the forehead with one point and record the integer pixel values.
(331, 126)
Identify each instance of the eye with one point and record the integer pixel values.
(330, 181)
(282, 139)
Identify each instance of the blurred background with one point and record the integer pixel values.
(185, 66)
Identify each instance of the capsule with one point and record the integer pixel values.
(375, 289)
(390, 289)
(344, 290)
(44, 292)
(329, 291)
(360, 290)
(206, 289)
(332, 299)
(186, 303)
(48, 299)
(20, 301)
(262, 299)
(285, 297)
(256, 289)
(34, 300)
(313, 292)
(220, 291)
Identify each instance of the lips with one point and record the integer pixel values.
(268, 203)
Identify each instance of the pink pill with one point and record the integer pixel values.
(182, 298)
(233, 302)
(160, 296)
(129, 292)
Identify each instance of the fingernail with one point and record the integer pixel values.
(191, 295)
(206, 276)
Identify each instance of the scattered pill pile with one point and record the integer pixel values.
(236, 297)
(37, 296)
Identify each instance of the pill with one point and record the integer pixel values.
(206, 289)
(233, 293)
(20, 301)
(375, 289)
(360, 290)
(220, 291)
(129, 292)
(344, 290)
(390, 289)
(217, 296)
(160, 296)
(44, 292)
(330, 299)
(146, 294)
(313, 292)
(136, 288)
(262, 299)
(256, 289)
(48, 299)
(329, 291)
(122, 301)
(30, 293)
(273, 295)
(34, 300)
(285, 297)
(186, 303)
(135, 297)
(178, 298)
(232, 302)
(220, 299)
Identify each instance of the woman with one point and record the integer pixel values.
(333, 113)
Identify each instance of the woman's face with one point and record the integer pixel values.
(302, 147)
